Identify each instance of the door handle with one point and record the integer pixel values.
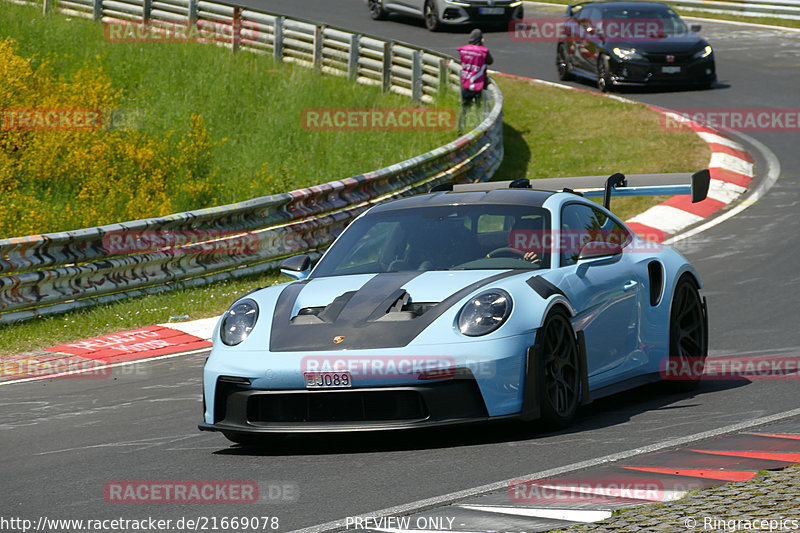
(630, 285)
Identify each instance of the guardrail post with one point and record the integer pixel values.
(319, 37)
(352, 58)
(236, 37)
(147, 9)
(97, 10)
(416, 76)
(386, 71)
(44, 7)
(444, 70)
(192, 12)
(277, 40)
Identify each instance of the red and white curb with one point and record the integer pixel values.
(730, 165)
(95, 357)
(731, 168)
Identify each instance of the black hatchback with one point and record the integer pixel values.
(634, 44)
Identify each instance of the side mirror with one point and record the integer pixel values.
(595, 249)
(701, 180)
(598, 253)
(696, 28)
(297, 267)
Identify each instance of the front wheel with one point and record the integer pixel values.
(603, 74)
(562, 62)
(688, 336)
(376, 11)
(431, 16)
(560, 376)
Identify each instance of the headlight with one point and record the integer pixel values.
(484, 313)
(705, 52)
(454, 3)
(627, 53)
(238, 322)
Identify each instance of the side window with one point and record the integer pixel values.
(581, 224)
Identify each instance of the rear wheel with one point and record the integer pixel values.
(431, 16)
(376, 11)
(562, 62)
(560, 377)
(603, 74)
(688, 336)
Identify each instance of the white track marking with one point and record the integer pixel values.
(666, 218)
(773, 173)
(453, 497)
(202, 328)
(570, 515)
(719, 139)
(724, 192)
(730, 162)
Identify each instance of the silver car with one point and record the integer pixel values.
(438, 13)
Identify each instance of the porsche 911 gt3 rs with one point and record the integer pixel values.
(469, 303)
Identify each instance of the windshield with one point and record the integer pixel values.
(465, 237)
(666, 21)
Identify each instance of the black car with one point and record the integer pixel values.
(632, 43)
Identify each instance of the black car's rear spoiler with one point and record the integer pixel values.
(604, 186)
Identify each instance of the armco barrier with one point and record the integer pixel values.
(783, 9)
(52, 273)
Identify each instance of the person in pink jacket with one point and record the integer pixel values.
(474, 59)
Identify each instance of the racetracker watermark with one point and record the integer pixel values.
(553, 30)
(181, 492)
(54, 366)
(181, 242)
(378, 119)
(734, 119)
(572, 241)
(586, 490)
(730, 368)
(51, 119)
(202, 31)
(388, 367)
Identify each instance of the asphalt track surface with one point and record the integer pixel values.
(63, 440)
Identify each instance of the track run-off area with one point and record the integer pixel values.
(65, 441)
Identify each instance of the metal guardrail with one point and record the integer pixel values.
(782, 9)
(47, 274)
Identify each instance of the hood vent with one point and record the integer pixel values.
(397, 307)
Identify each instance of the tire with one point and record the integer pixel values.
(559, 382)
(603, 76)
(253, 439)
(431, 16)
(376, 11)
(688, 336)
(562, 63)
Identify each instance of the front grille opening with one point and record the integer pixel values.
(341, 406)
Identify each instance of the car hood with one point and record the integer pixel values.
(669, 44)
(369, 311)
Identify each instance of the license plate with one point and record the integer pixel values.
(328, 380)
(492, 11)
(670, 70)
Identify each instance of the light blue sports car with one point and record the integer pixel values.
(470, 303)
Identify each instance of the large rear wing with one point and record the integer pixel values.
(618, 184)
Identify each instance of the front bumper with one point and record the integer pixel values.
(242, 410)
(456, 15)
(262, 392)
(642, 73)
